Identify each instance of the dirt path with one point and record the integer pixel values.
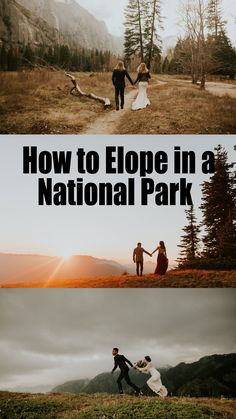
(216, 88)
(107, 123)
(221, 89)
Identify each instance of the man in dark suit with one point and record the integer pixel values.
(138, 258)
(121, 362)
(118, 79)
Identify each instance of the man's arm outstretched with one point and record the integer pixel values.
(128, 362)
(149, 254)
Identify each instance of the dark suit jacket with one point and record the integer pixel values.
(118, 78)
(121, 362)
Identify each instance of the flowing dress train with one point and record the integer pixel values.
(154, 382)
(141, 100)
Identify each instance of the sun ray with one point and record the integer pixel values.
(51, 277)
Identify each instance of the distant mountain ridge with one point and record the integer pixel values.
(74, 386)
(50, 21)
(211, 376)
(17, 268)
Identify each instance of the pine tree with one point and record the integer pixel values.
(133, 43)
(182, 60)
(218, 207)
(65, 56)
(28, 56)
(3, 58)
(153, 22)
(223, 56)
(216, 23)
(12, 61)
(190, 239)
(49, 56)
(165, 65)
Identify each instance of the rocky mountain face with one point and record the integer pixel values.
(18, 26)
(50, 21)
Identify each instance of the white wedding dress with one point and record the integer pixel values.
(154, 382)
(141, 100)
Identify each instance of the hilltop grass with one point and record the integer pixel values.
(173, 279)
(38, 102)
(104, 406)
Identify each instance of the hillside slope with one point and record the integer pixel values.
(173, 279)
(65, 406)
(211, 376)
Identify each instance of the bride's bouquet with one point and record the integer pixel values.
(139, 364)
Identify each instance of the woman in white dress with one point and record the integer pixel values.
(154, 381)
(143, 78)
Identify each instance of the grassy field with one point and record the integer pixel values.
(173, 279)
(104, 406)
(38, 102)
(177, 108)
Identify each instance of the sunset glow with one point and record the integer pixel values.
(66, 255)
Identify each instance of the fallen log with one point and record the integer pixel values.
(106, 102)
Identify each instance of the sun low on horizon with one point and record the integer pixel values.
(66, 255)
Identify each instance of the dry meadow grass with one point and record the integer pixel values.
(177, 108)
(38, 102)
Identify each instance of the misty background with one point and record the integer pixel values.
(112, 13)
(51, 336)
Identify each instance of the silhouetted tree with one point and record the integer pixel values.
(218, 207)
(190, 240)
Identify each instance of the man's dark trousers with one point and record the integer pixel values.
(120, 92)
(125, 375)
(139, 268)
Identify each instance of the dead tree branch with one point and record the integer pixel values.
(106, 102)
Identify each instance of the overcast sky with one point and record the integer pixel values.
(104, 232)
(51, 336)
(112, 13)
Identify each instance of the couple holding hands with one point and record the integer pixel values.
(146, 366)
(162, 261)
(118, 80)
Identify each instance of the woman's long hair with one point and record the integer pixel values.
(162, 245)
(120, 66)
(142, 68)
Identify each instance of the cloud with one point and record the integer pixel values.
(50, 336)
